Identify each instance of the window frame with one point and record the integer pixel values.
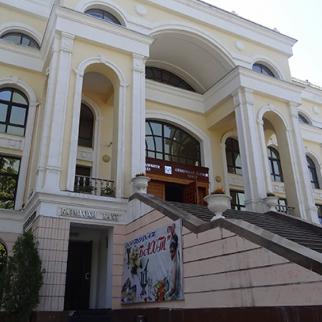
(10, 104)
(166, 77)
(275, 160)
(235, 200)
(162, 138)
(106, 15)
(319, 212)
(14, 176)
(314, 179)
(261, 68)
(303, 119)
(21, 36)
(233, 148)
(89, 141)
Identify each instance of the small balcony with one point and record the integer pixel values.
(94, 186)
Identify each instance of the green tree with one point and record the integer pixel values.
(3, 262)
(23, 279)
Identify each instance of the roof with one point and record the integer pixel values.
(294, 239)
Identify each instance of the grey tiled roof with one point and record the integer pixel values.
(301, 232)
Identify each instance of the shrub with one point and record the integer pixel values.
(23, 279)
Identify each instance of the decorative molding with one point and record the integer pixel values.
(21, 27)
(141, 10)
(270, 64)
(197, 33)
(85, 154)
(109, 5)
(96, 30)
(174, 96)
(231, 23)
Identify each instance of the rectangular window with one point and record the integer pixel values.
(9, 174)
(319, 213)
(237, 200)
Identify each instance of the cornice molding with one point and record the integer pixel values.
(229, 22)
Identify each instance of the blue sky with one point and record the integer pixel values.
(299, 19)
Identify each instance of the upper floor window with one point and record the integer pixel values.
(262, 69)
(86, 127)
(170, 143)
(9, 173)
(104, 15)
(19, 38)
(166, 77)
(237, 200)
(234, 164)
(303, 119)
(313, 174)
(275, 164)
(13, 111)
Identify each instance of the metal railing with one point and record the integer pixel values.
(285, 209)
(94, 186)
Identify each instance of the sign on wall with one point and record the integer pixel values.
(152, 266)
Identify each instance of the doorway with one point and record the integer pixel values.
(78, 276)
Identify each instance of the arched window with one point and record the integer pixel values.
(104, 15)
(303, 119)
(275, 164)
(166, 77)
(19, 38)
(13, 111)
(86, 127)
(234, 164)
(262, 69)
(313, 174)
(170, 143)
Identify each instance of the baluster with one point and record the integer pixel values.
(76, 188)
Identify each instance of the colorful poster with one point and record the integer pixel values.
(152, 266)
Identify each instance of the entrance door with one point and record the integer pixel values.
(190, 193)
(78, 275)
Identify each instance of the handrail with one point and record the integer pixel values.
(93, 186)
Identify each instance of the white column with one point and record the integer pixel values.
(262, 142)
(250, 150)
(52, 75)
(74, 132)
(56, 108)
(119, 146)
(304, 190)
(138, 115)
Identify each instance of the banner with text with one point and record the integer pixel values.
(152, 266)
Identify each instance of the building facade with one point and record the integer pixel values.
(93, 93)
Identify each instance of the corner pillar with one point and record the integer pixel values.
(51, 148)
(249, 147)
(138, 115)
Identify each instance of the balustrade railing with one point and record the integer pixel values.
(285, 209)
(94, 186)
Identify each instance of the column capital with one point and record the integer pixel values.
(243, 96)
(66, 42)
(139, 63)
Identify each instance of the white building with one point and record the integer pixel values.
(94, 92)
